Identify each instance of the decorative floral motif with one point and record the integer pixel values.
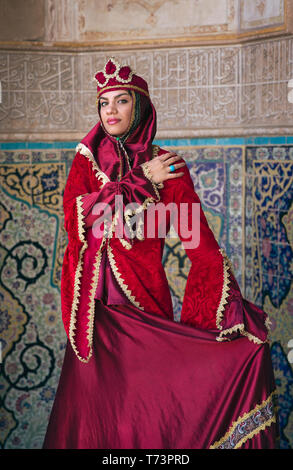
(268, 252)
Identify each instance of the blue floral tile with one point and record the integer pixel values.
(269, 256)
(285, 194)
(270, 288)
(285, 261)
(284, 288)
(266, 226)
(283, 235)
(267, 192)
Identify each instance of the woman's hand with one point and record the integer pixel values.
(159, 167)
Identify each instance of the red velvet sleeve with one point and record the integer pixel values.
(77, 185)
(204, 285)
(212, 297)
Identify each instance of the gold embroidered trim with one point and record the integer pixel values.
(78, 272)
(109, 233)
(129, 213)
(147, 174)
(155, 152)
(240, 420)
(228, 261)
(76, 290)
(241, 328)
(156, 149)
(251, 337)
(125, 244)
(132, 87)
(91, 304)
(221, 308)
(139, 228)
(225, 290)
(83, 150)
(119, 279)
(80, 221)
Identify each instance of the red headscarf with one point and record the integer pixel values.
(111, 154)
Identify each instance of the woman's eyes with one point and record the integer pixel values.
(104, 103)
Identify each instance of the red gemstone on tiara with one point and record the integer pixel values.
(124, 72)
(101, 78)
(110, 68)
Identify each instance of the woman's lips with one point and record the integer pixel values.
(113, 121)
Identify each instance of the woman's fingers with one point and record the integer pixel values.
(165, 156)
(160, 166)
(168, 158)
(174, 175)
(171, 160)
(178, 165)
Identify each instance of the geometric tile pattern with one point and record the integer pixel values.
(269, 261)
(32, 242)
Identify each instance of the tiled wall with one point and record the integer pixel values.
(245, 186)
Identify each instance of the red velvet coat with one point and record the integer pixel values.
(212, 298)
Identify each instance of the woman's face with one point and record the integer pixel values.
(115, 111)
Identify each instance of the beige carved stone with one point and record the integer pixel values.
(259, 13)
(140, 23)
(198, 91)
(22, 20)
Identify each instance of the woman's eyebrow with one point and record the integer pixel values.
(115, 97)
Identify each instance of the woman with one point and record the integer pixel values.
(132, 377)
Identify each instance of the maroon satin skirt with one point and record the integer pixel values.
(157, 384)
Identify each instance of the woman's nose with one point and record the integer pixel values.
(111, 108)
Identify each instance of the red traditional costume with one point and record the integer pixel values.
(133, 377)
